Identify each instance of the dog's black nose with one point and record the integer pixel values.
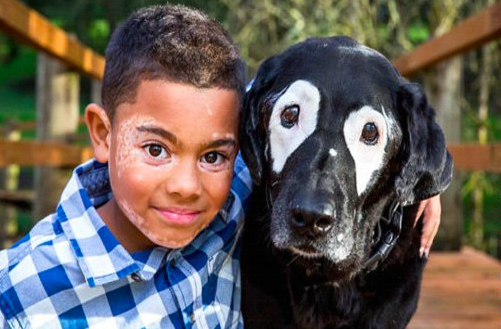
(312, 219)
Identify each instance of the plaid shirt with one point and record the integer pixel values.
(71, 272)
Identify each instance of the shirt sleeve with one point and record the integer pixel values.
(3, 322)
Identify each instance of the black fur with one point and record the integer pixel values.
(282, 289)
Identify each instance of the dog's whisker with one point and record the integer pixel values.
(292, 260)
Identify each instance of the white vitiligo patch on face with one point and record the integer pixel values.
(283, 140)
(126, 139)
(368, 158)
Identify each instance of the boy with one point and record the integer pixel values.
(145, 235)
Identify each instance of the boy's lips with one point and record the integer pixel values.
(179, 216)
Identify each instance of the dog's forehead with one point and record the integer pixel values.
(338, 65)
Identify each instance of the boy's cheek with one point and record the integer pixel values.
(222, 186)
(125, 160)
(126, 154)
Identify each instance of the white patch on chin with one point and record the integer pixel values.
(332, 152)
(341, 247)
(284, 141)
(368, 158)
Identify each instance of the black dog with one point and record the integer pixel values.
(341, 148)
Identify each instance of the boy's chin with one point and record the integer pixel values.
(176, 242)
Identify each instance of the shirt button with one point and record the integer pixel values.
(136, 277)
(192, 317)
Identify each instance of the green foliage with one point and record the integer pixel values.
(16, 105)
(99, 32)
(418, 33)
(490, 212)
(16, 84)
(20, 67)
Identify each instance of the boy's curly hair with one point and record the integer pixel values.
(173, 43)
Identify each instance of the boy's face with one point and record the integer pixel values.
(170, 156)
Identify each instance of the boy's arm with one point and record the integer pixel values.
(431, 211)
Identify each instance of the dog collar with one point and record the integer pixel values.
(386, 236)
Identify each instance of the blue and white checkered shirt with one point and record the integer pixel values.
(71, 272)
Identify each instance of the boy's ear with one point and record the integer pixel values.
(99, 127)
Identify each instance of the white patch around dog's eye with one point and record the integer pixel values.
(293, 119)
(365, 133)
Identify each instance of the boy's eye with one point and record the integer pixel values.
(213, 158)
(156, 151)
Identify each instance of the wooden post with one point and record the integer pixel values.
(443, 88)
(57, 118)
(9, 182)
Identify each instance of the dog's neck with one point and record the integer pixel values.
(387, 232)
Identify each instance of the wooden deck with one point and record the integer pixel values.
(460, 291)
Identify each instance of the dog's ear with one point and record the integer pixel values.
(427, 165)
(252, 132)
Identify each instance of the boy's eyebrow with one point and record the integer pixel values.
(159, 131)
(220, 142)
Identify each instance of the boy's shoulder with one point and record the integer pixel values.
(52, 257)
(43, 234)
(25, 266)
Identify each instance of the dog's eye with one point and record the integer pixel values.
(369, 134)
(289, 116)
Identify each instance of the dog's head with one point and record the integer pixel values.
(336, 133)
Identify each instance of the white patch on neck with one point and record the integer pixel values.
(368, 158)
(284, 141)
(332, 152)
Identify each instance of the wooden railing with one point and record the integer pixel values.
(28, 26)
(35, 153)
(472, 33)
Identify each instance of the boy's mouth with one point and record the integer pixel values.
(179, 216)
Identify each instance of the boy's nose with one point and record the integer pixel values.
(184, 181)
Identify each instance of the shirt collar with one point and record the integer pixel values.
(102, 259)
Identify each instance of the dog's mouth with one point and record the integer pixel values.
(318, 268)
(306, 251)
